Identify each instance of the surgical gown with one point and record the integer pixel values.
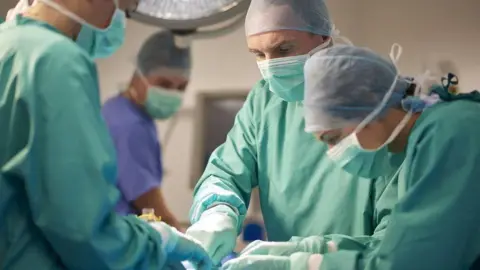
(57, 162)
(436, 223)
(302, 192)
(138, 150)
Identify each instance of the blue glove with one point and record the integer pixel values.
(216, 230)
(180, 247)
(298, 261)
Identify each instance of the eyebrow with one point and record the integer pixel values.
(274, 46)
(329, 134)
(280, 43)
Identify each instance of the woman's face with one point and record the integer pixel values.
(371, 137)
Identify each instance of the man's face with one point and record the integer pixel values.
(167, 82)
(170, 82)
(282, 43)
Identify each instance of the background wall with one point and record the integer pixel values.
(428, 30)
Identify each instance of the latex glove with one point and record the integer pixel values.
(180, 247)
(312, 244)
(216, 230)
(297, 261)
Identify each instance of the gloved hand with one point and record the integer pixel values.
(312, 244)
(180, 247)
(216, 230)
(297, 261)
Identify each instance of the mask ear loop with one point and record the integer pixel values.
(342, 146)
(395, 53)
(335, 34)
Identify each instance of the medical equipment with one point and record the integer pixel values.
(191, 19)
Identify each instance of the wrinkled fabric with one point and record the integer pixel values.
(138, 151)
(301, 15)
(216, 231)
(267, 148)
(435, 223)
(57, 162)
(298, 261)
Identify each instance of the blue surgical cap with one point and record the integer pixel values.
(301, 15)
(344, 84)
(160, 53)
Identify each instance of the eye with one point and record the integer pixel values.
(330, 139)
(285, 49)
(260, 56)
(166, 84)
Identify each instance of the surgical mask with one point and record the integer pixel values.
(353, 158)
(98, 43)
(102, 43)
(162, 103)
(285, 75)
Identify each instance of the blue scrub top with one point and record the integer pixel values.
(138, 150)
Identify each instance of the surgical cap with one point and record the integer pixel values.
(301, 15)
(344, 84)
(159, 53)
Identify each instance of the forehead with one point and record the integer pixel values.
(159, 78)
(270, 40)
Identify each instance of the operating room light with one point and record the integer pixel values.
(187, 14)
(184, 9)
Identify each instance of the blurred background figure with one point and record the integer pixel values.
(155, 93)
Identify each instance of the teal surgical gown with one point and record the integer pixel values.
(302, 192)
(57, 162)
(436, 223)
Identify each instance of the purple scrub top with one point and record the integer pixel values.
(138, 150)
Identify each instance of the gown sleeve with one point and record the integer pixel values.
(70, 176)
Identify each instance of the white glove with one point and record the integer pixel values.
(216, 230)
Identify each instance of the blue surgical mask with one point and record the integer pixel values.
(102, 43)
(98, 43)
(162, 103)
(285, 75)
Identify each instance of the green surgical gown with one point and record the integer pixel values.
(436, 223)
(57, 162)
(302, 192)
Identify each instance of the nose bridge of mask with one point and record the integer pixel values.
(292, 65)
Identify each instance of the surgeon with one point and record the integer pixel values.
(154, 93)
(302, 191)
(357, 103)
(57, 160)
